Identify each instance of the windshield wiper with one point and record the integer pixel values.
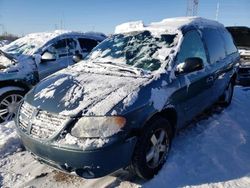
(123, 68)
(8, 56)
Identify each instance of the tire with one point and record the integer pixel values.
(9, 102)
(154, 142)
(226, 98)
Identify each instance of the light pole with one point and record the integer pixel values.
(3, 28)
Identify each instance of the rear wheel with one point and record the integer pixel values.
(152, 148)
(9, 103)
(227, 96)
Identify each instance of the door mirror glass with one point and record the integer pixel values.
(191, 64)
(37, 58)
(48, 56)
(77, 58)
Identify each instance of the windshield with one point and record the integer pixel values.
(241, 36)
(24, 45)
(139, 50)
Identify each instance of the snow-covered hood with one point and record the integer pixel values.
(244, 51)
(245, 56)
(86, 92)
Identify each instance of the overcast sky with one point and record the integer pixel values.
(26, 16)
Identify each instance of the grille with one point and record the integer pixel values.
(244, 71)
(25, 115)
(43, 124)
(245, 57)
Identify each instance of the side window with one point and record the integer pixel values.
(230, 47)
(192, 46)
(64, 47)
(215, 45)
(87, 44)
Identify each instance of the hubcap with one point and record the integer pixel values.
(8, 107)
(159, 148)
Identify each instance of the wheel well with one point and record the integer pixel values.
(234, 78)
(170, 114)
(14, 83)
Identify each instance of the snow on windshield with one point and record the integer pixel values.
(138, 50)
(26, 45)
(30, 43)
(4, 42)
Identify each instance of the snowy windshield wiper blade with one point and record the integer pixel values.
(124, 68)
(8, 56)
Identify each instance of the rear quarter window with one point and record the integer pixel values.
(215, 44)
(87, 44)
(229, 44)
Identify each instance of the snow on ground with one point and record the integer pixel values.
(211, 152)
(9, 141)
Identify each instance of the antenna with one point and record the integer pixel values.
(192, 7)
(217, 11)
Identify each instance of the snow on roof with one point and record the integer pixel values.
(170, 25)
(46, 36)
(36, 40)
(130, 26)
(39, 39)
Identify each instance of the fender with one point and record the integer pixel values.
(10, 88)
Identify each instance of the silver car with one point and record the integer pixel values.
(26, 61)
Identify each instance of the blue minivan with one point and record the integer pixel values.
(124, 103)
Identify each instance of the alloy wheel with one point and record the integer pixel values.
(8, 107)
(158, 149)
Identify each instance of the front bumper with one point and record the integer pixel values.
(243, 76)
(88, 164)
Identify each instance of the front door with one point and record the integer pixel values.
(63, 51)
(195, 90)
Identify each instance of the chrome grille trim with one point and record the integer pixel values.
(38, 123)
(25, 115)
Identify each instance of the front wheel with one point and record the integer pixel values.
(152, 148)
(9, 103)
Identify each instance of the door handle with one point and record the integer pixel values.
(210, 79)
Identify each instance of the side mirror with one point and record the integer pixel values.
(191, 64)
(77, 58)
(37, 58)
(47, 56)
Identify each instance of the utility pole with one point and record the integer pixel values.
(61, 24)
(3, 29)
(192, 7)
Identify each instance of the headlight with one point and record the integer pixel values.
(95, 127)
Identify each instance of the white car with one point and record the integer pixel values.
(25, 61)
